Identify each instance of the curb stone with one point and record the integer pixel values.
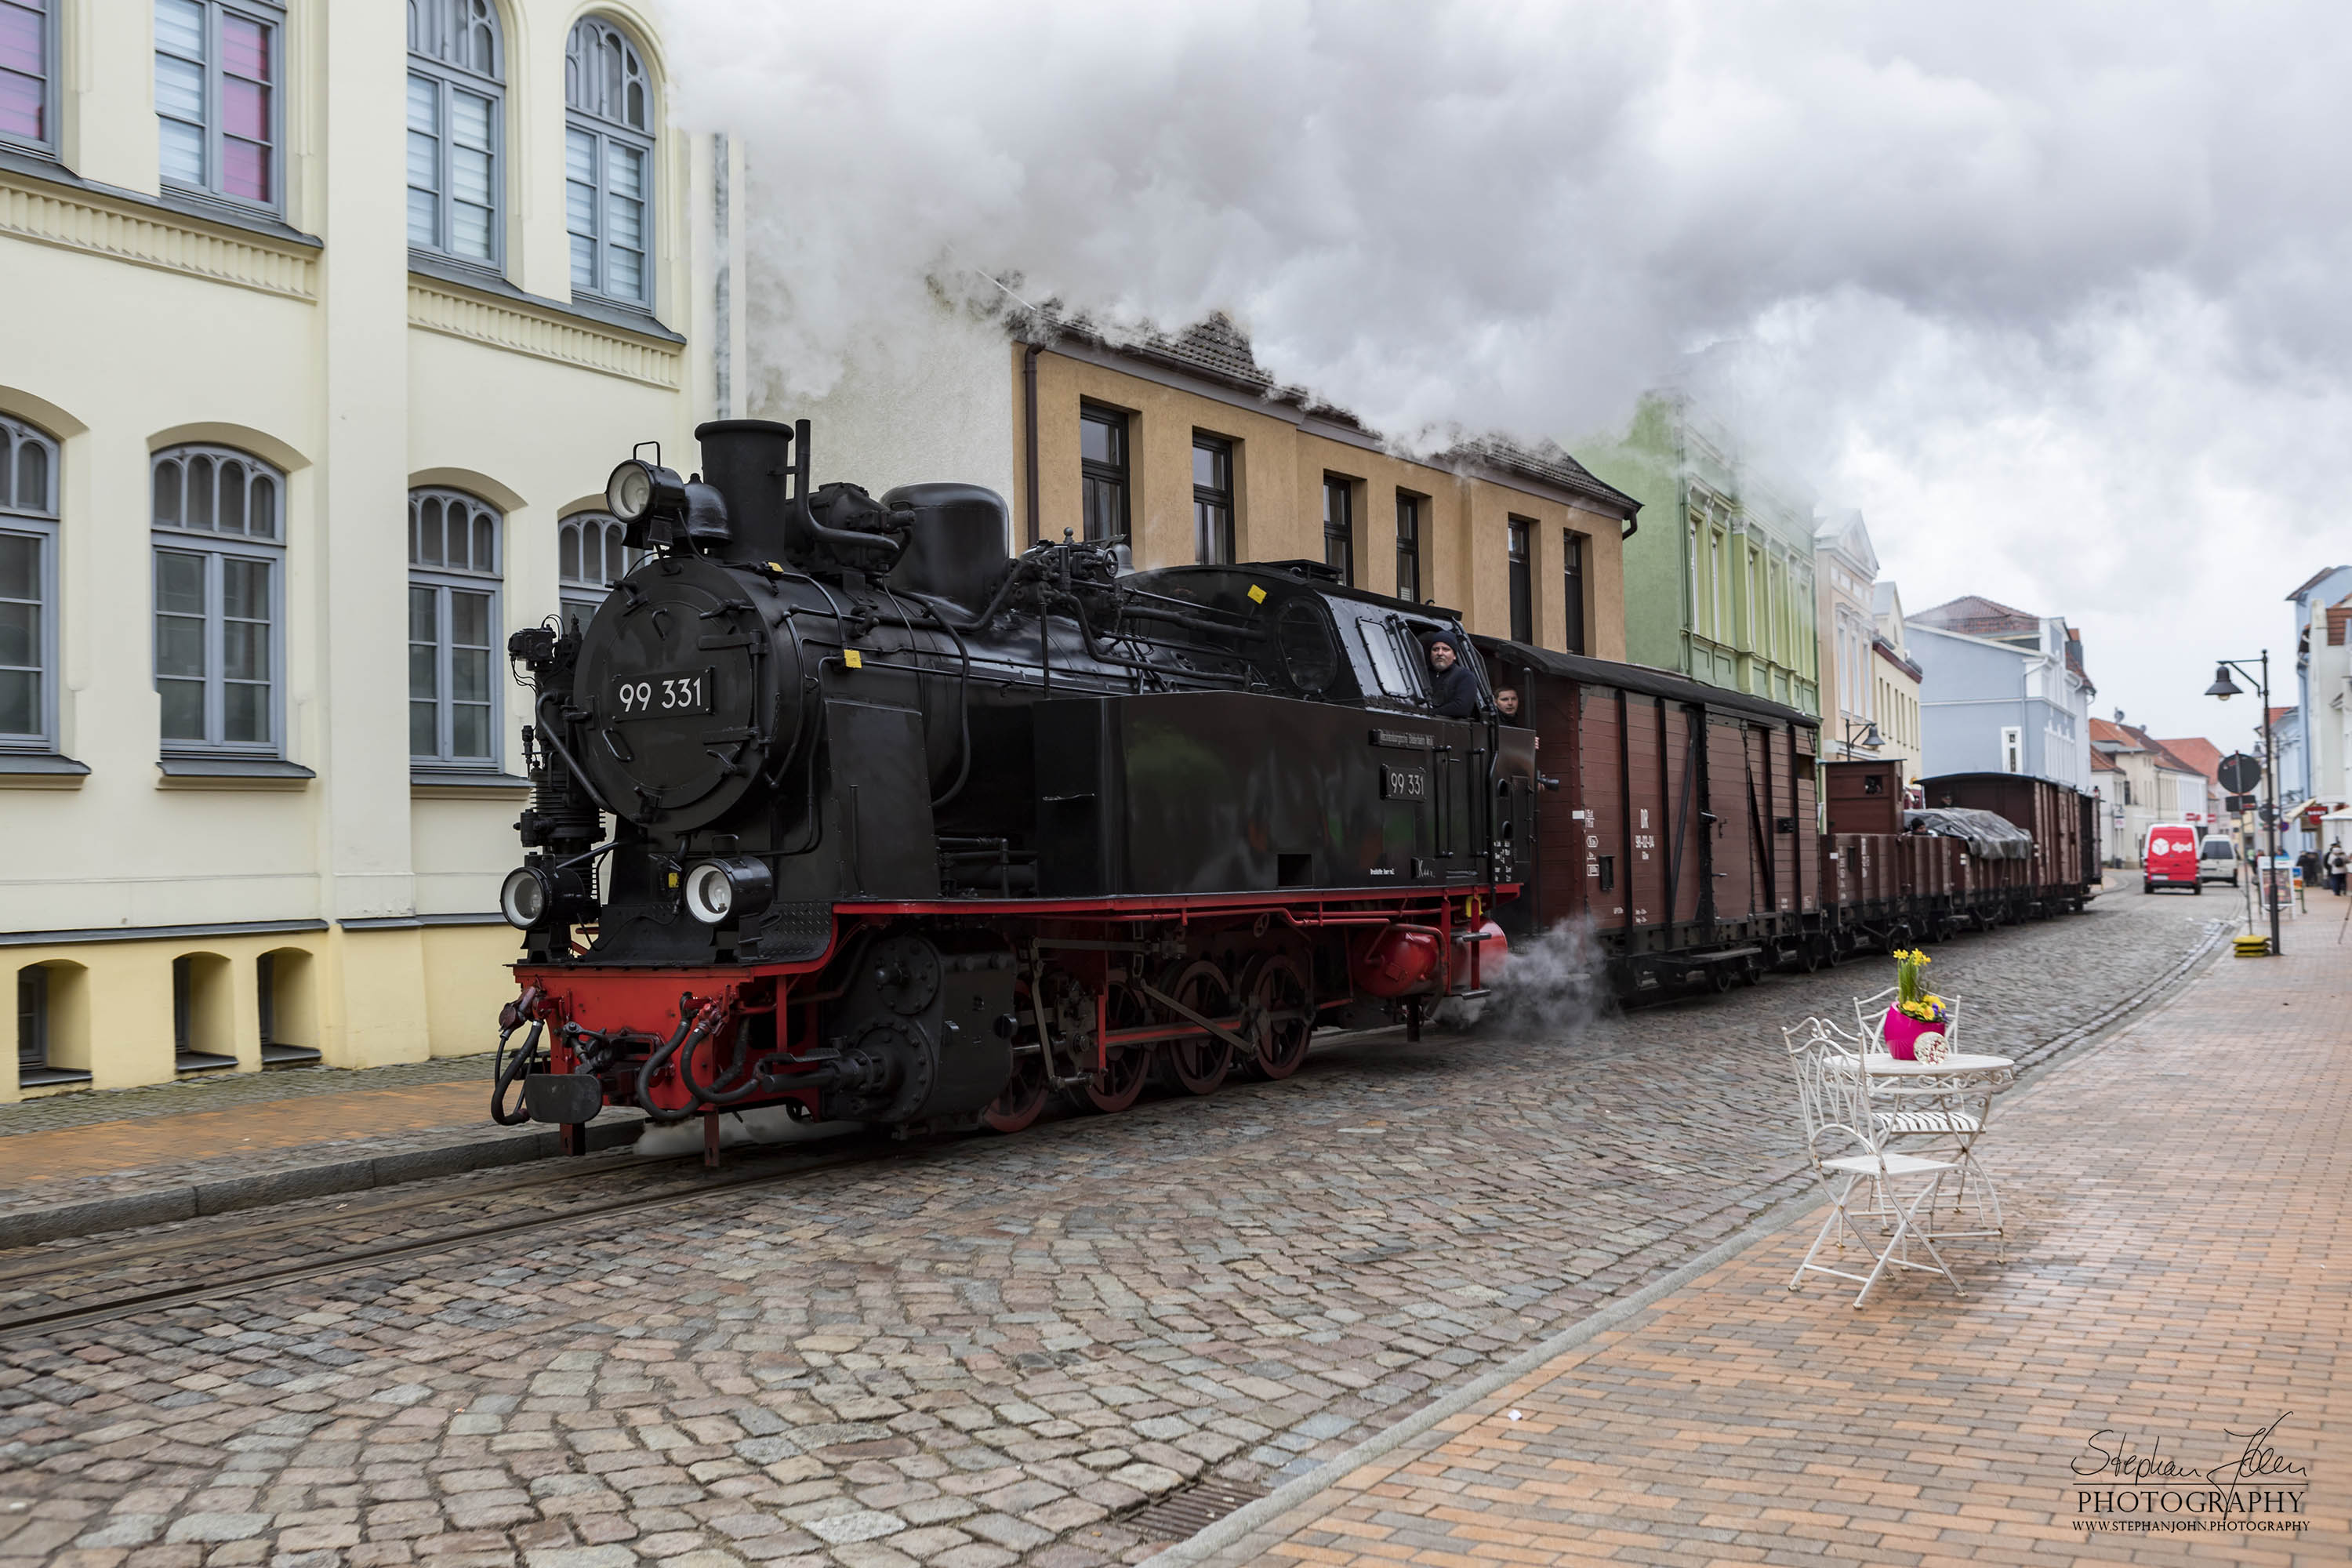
(227, 1195)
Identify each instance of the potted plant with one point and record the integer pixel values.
(1915, 1025)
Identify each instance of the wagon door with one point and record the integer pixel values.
(1564, 867)
(1730, 814)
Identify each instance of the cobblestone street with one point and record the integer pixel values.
(992, 1351)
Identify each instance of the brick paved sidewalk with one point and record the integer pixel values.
(2182, 1273)
(78, 1147)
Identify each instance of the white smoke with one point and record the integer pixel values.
(1554, 985)
(2049, 289)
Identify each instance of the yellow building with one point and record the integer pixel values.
(318, 334)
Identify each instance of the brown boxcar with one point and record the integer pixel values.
(1683, 826)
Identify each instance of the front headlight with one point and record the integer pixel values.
(525, 898)
(639, 489)
(726, 890)
(630, 491)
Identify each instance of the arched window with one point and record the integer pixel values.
(590, 558)
(457, 70)
(219, 557)
(608, 163)
(453, 629)
(28, 594)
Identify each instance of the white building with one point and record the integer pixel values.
(2005, 693)
(321, 337)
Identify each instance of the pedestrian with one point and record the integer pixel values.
(2309, 863)
(1453, 689)
(2336, 865)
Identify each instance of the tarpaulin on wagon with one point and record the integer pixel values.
(1989, 836)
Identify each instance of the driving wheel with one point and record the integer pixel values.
(1281, 1016)
(1201, 1064)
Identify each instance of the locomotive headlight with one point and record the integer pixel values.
(639, 489)
(525, 898)
(726, 890)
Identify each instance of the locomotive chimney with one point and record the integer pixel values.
(750, 462)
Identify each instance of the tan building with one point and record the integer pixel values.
(1845, 572)
(1184, 447)
(1895, 682)
(320, 339)
(1187, 448)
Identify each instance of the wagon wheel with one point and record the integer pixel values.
(1201, 1064)
(1281, 1016)
(1721, 976)
(1809, 956)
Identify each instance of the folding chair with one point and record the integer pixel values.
(1848, 1150)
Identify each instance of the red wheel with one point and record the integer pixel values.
(1119, 1085)
(1024, 1095)
(1281, 1016)
(1201, 1064)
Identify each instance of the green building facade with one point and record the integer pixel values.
(1719, 576)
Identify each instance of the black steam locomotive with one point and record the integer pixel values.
(841, 806)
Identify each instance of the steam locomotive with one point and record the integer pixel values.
(871, 820)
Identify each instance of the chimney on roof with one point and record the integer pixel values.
(2119, 715)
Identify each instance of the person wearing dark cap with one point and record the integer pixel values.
(1452, 688)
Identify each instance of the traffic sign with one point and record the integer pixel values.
(2237, 802)
(2240, 772)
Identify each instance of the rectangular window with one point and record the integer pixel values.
(606, 193)
(216, 649)
(1212, 499)
(1102, 471)
(2013, 749)
(452, 169)
(1523, 609)
(1339, 527)
(216, 104)
(1571, 550)
(1407, 548)
(28, 67)
(1720, 586)
(24, 637)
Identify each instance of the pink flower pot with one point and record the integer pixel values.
(1904, 1033)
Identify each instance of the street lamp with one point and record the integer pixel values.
(2223, 689)
(1868, 740)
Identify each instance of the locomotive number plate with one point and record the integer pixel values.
(658, 696)
(1403, 783)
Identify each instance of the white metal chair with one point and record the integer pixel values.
(1848, 1151)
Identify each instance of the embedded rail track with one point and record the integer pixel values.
(72, 1313)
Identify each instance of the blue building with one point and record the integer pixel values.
(2001, 691)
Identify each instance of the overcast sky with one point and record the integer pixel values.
(2054, 293)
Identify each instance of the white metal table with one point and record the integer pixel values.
(1949, 1102)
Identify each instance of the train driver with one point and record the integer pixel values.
(1452, 688)
(1506, 704)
